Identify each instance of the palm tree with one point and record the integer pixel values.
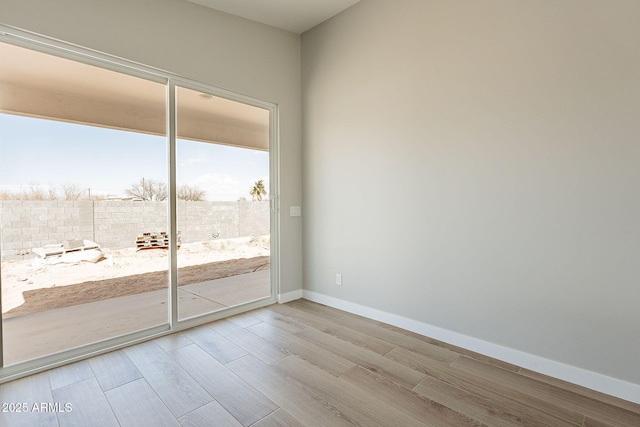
(257, 191)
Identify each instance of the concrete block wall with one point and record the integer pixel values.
(199, 221)
(29, 224)
(119, 223)
(116, 224)
(250, 213)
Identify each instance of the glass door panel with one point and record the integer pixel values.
(83, 204)
(223, 209)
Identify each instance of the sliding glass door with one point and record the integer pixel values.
(223, 209)
(95, 248)
(77, 160)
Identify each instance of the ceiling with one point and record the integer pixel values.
(296, 16)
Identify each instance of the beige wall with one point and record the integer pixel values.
(475, 166)
(198, 43)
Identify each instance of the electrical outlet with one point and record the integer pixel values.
(339, 279)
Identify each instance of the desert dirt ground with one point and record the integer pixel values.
(34, 285)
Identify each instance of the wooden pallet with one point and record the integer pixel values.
(154, 241)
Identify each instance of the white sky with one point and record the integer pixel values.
(49, 153)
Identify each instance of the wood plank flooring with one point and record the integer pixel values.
(302, 364)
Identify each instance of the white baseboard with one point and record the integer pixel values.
(289, 296)
(592, 380)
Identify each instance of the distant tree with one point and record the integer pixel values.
(71, 192)
(190, 193)
(257, 191)
(33, 192)
(36, 192)
(148, 190)
(52, 194)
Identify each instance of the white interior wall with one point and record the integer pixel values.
(475, 166)
(198, 43)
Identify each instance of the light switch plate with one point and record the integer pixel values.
(295, 211)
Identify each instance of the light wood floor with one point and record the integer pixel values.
(302, 364)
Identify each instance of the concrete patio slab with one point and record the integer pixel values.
(39, 334)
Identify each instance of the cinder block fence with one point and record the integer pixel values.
(116, 224)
